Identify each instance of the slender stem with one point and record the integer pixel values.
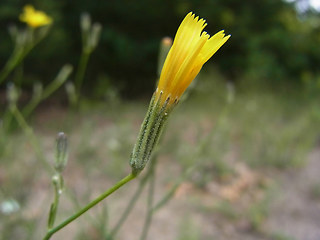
(13, 61)
(149, 215)
(7, 120)
(104, 221)
(57, 183)
(167, 197)
(129, 207)
(127, 211)
(134, 198)
(29, 132)
(27, 110)
(90, 205)
(18, 75)
(81, 71)
(77, 205)
(201, 146)
(101, 224)
(19, 53)
(171, 192)
(51, 88)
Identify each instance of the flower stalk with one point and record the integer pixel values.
(190, 50)
(89, 206)
(90, 39)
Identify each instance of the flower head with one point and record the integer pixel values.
(34, 18)
(190, 50)
(192, 47)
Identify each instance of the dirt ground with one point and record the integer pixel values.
(296, 210)
(292, 213)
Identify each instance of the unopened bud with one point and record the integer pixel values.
(61, 155)
(37, 90)
(165, 46)
(12, 93)
(64, 73)
(95, 36)
(71, 92)
(85, 22)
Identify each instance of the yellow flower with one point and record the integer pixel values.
(191, 48)
(34, 18)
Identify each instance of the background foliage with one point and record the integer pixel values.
(270, 40)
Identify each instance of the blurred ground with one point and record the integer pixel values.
(296, 210)
(251, 183)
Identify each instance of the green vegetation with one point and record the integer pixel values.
(246, 130)
(249, 118)
(270, 41)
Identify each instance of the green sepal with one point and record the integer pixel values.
(150, 132)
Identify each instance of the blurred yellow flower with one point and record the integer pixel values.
(34, 18)
(191, 48)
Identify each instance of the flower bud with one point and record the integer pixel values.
(61, 154)
(71, 92)
(12, 93)
(165, 46)
(37, 90)
(85, 23)
(64, 73)
(94, 36)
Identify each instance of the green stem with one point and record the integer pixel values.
(76, 206)
(171, 192)
(127, 211)
(19, 53)
(167, 197)
(201, 147)
(13, 61)
(57, 183)
(129, 207)
(29, 132)
(149, 215)
(18, 75)
(134, 198)
(104, 221)
(90, 205)
(81, 71)
(7, 120)
(50, 89)
(27, 110)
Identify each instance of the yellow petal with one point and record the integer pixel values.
(190, 50)
(34, 18)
